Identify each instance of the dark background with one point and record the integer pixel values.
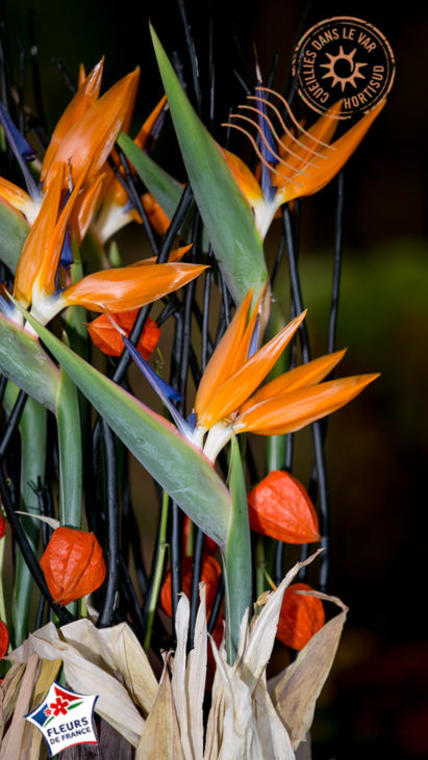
(376, 700)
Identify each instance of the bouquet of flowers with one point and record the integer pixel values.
(176, 652)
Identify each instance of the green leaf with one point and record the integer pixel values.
(13, 231)
(237, 557)
(23, 360)
(164, 188)
(224, 210)
(177, 465)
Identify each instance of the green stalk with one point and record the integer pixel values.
(2, 601)
(70, 453)
(237, 555)
(33, 430)
(158, 573)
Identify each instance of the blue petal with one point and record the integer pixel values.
(23, 146)
(22, 150)
(254, 338)
(191, 420)
(267, 152)
(165, 392)
(66, 258)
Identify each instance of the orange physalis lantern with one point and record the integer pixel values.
(73, 564)
(210, 575)
(2, 526)
(4, 639)
(279, 507)
(109, 340)
(301, 616)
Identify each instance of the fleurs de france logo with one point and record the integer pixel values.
(65, 719)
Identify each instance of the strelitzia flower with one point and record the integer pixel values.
(295, 163)
(114, 290)
(227, 401)
(81, 142)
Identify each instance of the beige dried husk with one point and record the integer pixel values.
(249, 719)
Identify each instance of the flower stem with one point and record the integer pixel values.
(158, 570)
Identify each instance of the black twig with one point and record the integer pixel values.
(112, 512)
(12, 422)
(316, 427)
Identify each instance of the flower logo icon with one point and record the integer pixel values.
(59, 707)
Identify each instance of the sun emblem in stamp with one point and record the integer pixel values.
(65, 719)
(343, 58)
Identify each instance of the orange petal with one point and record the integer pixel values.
(244, 178)
(37, 242)
(18, 199)
(294, 410)
(81, 76)
(85, 206)
(146, 129)
(84, 98)
(236, 389)
(315, 178)
(307, 145)
(156, 215)
(222, 362)
(279, 507)
(175, 255)
(104, 335)
(301, 616)
(46, 274)
(300, 377)
(127, 288)
(89, 142)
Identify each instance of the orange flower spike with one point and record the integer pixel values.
(280, 507)
(73, 564)
(294, 410)
(336, 155)
(90, 140)
(85, 97)
(300, 618)
(145, 131)
(34, 249)
(127, 288)
(4, 639)
(222, 362)
(300, 377)
(236, 389)
(109, 340)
